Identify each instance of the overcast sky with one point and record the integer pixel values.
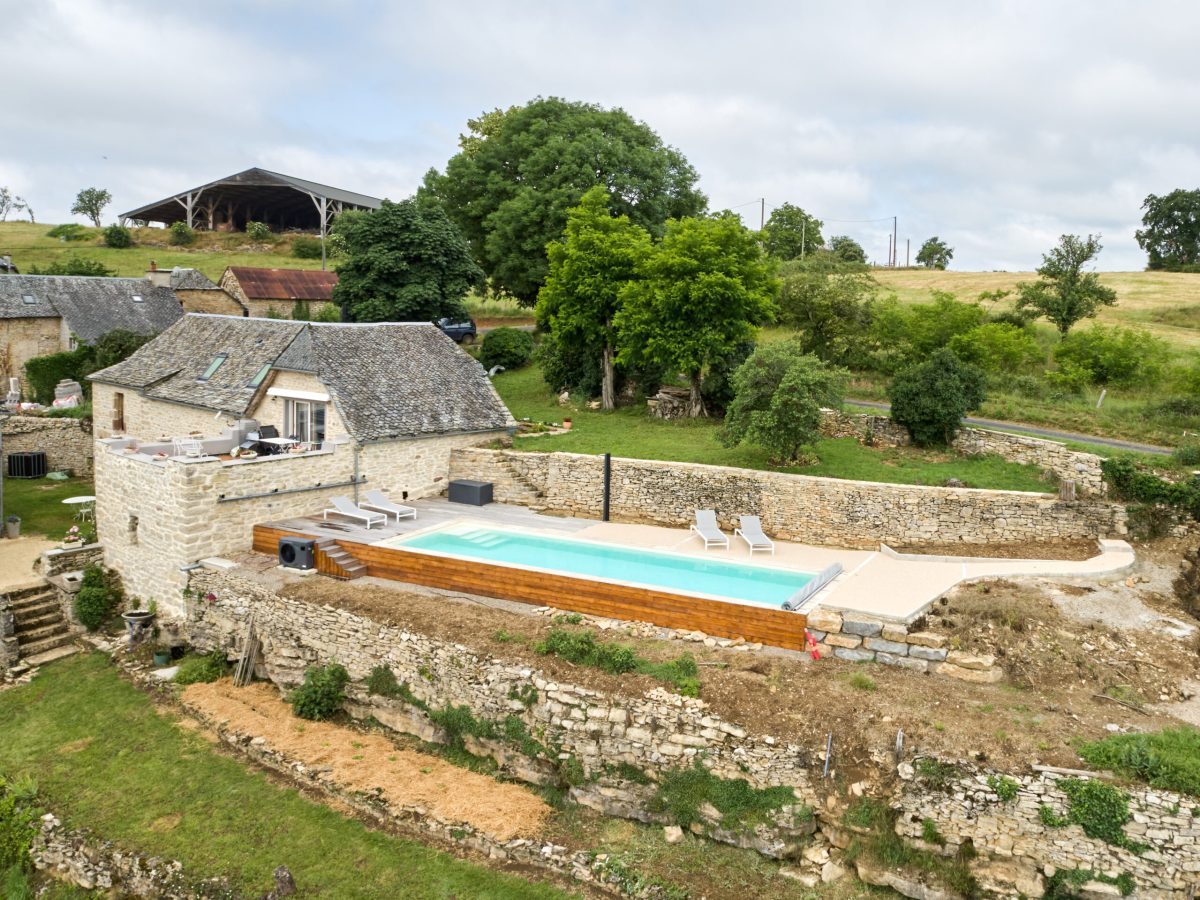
(997, 129)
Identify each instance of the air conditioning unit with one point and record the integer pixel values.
(296, 553)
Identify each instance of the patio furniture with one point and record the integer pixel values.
(86, 504)
(188, 447)
(822, 578)
(344, 506)
(466, 490)
(751, 532)
(378, 500)
(709, 531)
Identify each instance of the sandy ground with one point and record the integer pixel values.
(366, 762)
(17, 558)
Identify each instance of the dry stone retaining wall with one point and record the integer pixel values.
(810, 510)
(67, 443)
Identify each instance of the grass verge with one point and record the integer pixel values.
(106, 760)
(1167, 759)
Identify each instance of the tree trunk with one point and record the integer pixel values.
(608, 398)
(696, 400)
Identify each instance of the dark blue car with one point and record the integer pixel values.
(458, 330)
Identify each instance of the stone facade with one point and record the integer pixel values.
(157, 516)
(66, 442)
(1013, 831)
(880, 431)
(824, 511)
(215, 302)
(9, 652)
(149, 419)
(23, 339)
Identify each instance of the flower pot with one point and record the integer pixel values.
(72, 545)
(162, 658)
(566, 424)
(12, 527)
(138, 623)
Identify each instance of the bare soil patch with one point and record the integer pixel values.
(367, 762)
(1077, 550)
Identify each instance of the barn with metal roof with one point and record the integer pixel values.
(256, 195)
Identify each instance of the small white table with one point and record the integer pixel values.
(282, 443)
(86, 504)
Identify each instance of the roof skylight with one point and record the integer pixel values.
(259, 376)
(213, 366)
(29, 299)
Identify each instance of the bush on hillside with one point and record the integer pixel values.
(508, 347)
(931, 399)
(71, 231)
(322, 693)
(258, 231)
(74, 264)
(998, 348)
(1121, 357)
(306, 247)
(1167, 759)
(180, 235)
(118, 237)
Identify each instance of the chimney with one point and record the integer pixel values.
(158, 277)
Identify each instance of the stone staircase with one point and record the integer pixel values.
(514, 487)
(350, 567)
(42, 631)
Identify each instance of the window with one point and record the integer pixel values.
(72, 343)
(118, 418)
(305, 420)
(259, 377)
(213, 366)
(29, 299)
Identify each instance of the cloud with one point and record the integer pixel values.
(997, 127)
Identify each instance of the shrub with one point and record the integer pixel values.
(45, 372)
(258, 231)
(931, 399)
(382, 682)
(1100, 809)
(1122, 357)
(71, 231)
(74, 264)
(508, 347)
(582, 648)
(212, 666)
(1131, 481)
(17, 824)
(322, 692)
(1187, 454)
(118, 237)
(305, 246)
(98, 597)
(180, 235)
(1006, 788)
(1167, 759)
(999, 348)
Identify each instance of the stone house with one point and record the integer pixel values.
(195, 291)
(381, 405)
(277, 292)
(41, 314)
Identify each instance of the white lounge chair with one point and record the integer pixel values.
(378, 500)
(751, 532)
(343, 506)
(709, 531)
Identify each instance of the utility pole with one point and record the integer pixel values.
(907, 250)
(891, 257)
(895, 249)
(762, 215)
(803, 234)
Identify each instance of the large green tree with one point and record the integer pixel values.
(847, 249)
(935, 253)
(1171, 230)
(90, 202)
(520, 170)
(778, 393)
(1065, 293)
(406, 262)
(831, 308)
(701, 292)
(931, 399)
(599, 255)
(791, 233)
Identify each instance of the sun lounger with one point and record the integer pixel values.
(343, 506)
(706, 526)
(751, 532)
(379, 501)
(822, 578)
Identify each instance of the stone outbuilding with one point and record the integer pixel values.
(379, 406)
(280, 292)
(195, 291)
(41, 314)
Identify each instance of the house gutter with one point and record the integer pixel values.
(319, 486)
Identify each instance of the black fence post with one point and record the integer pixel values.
(607, 484)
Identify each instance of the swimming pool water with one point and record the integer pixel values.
(759, 585)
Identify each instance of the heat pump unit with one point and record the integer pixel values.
(296, 553)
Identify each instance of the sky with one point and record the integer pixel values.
(995, 126)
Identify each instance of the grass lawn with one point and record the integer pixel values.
(39, 503)
(630, 432)
(211, 253)
(104, 759)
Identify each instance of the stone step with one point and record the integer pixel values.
(35, 597)
(33, 635)
(49, 656)
(19, 595)
(37, 648)
(25, 624)
(25, 613)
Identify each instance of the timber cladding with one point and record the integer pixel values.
(615, 601)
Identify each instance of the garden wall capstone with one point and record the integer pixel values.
(824, 511)
(1024, 851)
(880, 431)
(66, 442)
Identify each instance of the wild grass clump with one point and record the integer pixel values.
(682, 792)
(212, 666)
(322, 693)
(862, 682)
(18, 824)
(582, 648)
(1167, 759)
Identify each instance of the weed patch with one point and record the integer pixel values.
(1100, 809)
(682, 792)
(1167, 759)
(212, 666)
(937, 774)
(1065, 883)
(582, 648)
(1006, 788)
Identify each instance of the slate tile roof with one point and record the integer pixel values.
(191, 280)
(91, 306)
(284, 284)
(387, 380)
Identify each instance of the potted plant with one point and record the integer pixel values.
(73, 539)
(566, 424)
(12, 526)
(162, 655)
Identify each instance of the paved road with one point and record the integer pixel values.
(1042, 432)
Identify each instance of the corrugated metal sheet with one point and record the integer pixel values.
(285, 284)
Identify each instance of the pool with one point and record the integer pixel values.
(700, 576)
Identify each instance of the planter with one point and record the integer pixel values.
(162, 658)
(566, 424)
(12, 527)
(138, 623)
(72, 545)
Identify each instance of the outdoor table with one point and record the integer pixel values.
(86, 505)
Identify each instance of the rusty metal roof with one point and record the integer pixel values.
(285, 284)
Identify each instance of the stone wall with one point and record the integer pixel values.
(59, 560)
(66, 442)
(151, 419)
(9, 652)
(969, 809)
(209, 301)
(23, 339)
(880, 431)
(156, 517)
(824, 511)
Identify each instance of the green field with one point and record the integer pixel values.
(630, 432)
(105, 760)
(38, 502)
